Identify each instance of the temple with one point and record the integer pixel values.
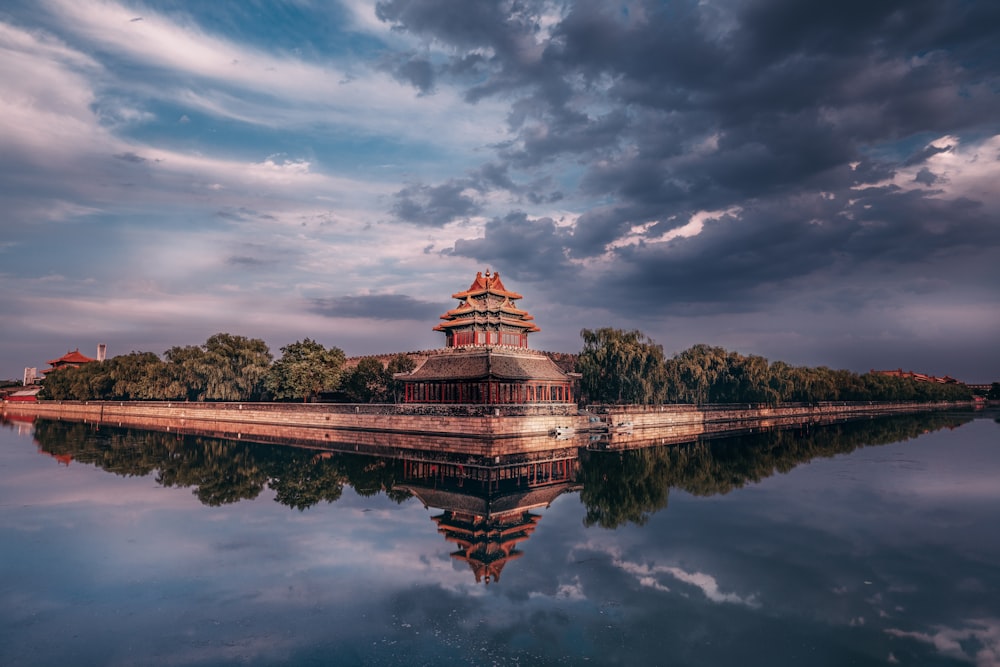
(72, 359)
(486, 359)
(487, 511)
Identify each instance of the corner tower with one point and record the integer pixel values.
(487, 315)
(486, 360)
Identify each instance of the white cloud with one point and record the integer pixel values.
(961, 169)
(650, 575)
(239, 82)
(977, 642)
(46, 105)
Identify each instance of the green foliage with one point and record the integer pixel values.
(627, 487)
(630, 486)
(222, 472)
(371, 382)
(368, 382)
(627, 367)
(234, 367)
(226, 368)
(621, 367)
(617, 487)
(400, 363)
(305, 480)
(305, 369)
(184, 373)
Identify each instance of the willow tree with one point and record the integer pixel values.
(234, 367)
(621, 367)
(305, 369)
(185, 370)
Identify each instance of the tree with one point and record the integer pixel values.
(621, 367)
(185, 373)
(234, 367)
(368, 382)
(400, 363)
(305, 369)
(136, 376)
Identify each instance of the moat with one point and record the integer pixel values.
(870, 541)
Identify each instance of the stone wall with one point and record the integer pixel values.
(473, 430)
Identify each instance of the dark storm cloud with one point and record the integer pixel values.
(749, 261)
(435, 206)
(247, 261)
(376, 306)
(243, 214)
(926, 153)
(130, 157)
(527, 249)
(925, 176)
(413, 70)
(776, 107)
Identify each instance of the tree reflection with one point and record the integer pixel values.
(629, 486)
(615, 487)
(220, 471)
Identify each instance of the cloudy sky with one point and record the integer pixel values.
(815, 183)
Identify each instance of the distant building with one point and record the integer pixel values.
(919, 377)
(30, 376)
(28, 395)
(486, 359)
(69, 360)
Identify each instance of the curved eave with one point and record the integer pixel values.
(485, 363)
(484, 291)
(517, 311)
(465, 310)
(519, 324)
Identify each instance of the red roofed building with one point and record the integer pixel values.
(919, 377)
(486, 315)
(486, 359)
(69, 360)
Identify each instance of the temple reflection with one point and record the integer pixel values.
(486, 511)
(489, 506)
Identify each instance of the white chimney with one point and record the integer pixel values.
(102, 351)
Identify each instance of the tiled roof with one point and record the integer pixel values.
(526, 326)
(488, 283)
(480, 306)
(484, 363)
(473, 504)
(73, 357)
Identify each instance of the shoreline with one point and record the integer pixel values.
(480, 431)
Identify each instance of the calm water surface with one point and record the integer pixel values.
(870, 543)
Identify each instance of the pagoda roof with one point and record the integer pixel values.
(464, 503)
(470, 306)
(487, 284)
(480, 363)
(524, 324)
(73, 357)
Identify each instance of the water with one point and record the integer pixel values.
(868, 543)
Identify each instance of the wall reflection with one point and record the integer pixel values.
(488, 507)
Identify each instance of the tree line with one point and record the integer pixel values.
(616, 366)
(228, 367)
(628, 367)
